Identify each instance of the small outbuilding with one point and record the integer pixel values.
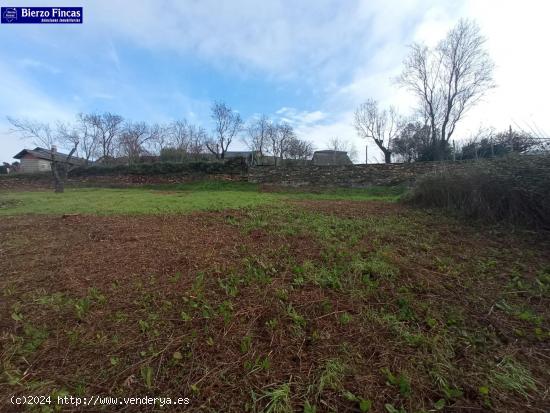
(40, 159)
(330, 157)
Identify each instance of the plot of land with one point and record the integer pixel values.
(244, 300)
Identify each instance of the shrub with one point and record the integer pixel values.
(515, 189)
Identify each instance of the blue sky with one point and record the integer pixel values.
(309, 62)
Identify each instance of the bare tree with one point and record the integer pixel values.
(159, 137)
(382, 126)
(337, 144)
(257, 134)
(279, 138)
(299, 149)
(228, 124)
(39, 133)
(448, 79)
(134, 137)
(197, 137)
(187, 139)
(43, 136)
(82, 132)
(108, 127)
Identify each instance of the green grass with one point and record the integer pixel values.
(167, 199)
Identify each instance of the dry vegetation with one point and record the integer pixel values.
(308, 305)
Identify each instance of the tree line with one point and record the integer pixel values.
(108, 136)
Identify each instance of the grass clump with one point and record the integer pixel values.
(509, 374)
(278, 399)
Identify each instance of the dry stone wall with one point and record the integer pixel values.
(354, 176)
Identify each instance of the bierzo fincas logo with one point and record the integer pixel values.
(41, 15)
(9, 14)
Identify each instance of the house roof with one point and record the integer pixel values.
(46, 154)
(330, 157)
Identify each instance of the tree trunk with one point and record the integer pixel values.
(59, 186)
(387, 157)
(58, 182)
(438, 151)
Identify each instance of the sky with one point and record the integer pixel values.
(307, 62)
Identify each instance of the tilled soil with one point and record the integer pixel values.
(196, 306)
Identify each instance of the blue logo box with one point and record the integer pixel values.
(41, 15)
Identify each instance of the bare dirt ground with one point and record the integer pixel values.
(332, 304)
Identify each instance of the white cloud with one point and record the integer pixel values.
(296, 117)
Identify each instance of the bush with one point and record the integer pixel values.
(515, 189)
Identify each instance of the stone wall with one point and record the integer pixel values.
(355, 176)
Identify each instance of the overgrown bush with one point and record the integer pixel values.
(233, 166)
(515, 189)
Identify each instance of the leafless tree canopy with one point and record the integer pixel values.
(107, 128)
(134, 138)
(257, 134)
(448, 79)
(299, 149)
(228, 124)
(279, 140)
(41, 134)
(44, 136)
(187, 140)
(382, 126)
(82, 132)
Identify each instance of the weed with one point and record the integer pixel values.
(147, 375)
(374, 268)
(332, 375)
(345, 318)
(405, 311)
(230, 285)
(390, 408)
(509, 374)
(401, 381)
(364, 404)
(82, 306)
(246, 344)
(296, 318)
(309, 408)
(34, 337)
(226, 311)
(272, 323)
(281, 294)
(184, 316)
(259, 364)
(278, 399)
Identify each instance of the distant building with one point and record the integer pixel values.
(40, 159)
(330, 157)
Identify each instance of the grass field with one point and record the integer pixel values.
(247, 300)
(167, 199)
